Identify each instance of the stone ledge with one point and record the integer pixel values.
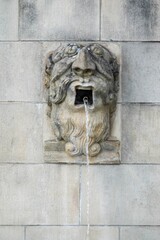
(54, 152)
(71, 232)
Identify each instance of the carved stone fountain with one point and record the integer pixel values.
(73, 72)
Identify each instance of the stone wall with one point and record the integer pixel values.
(40, 201)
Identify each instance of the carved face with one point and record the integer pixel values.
(76, 72)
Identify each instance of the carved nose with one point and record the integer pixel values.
(83, 65)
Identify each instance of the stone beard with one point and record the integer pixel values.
(75, 72)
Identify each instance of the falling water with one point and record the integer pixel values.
(85, 99)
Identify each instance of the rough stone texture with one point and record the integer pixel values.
(54, 152)
(21, 132)
(8, 20)
(130, 20)
(122, 195)
(39, 194)
(73, 72)
(115, 48)
(140, 138)
(49, 134)
(140, 72)
(140, 233)
(51, 20)
(11, 233)
(67, 233)
(35, 193)
(20, 65)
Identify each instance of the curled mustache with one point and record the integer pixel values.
(58, 94)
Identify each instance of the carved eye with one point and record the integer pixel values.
(97, 50)
(71, 49)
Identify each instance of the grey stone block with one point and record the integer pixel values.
(33, 194)
(10, 232)
(140, 138)
(140, 233)
(8, 20)
(67, 233)
(131, 20)
(122, 195)
(20, 65)
(140, 72)
(21, 132)
(54, 20)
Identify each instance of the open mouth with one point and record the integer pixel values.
(83, 93)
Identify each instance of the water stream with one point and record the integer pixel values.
(85, 99)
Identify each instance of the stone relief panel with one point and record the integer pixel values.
(75, 72)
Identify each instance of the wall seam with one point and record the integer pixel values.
(100, 9)
(25, 233)
(45, 163)
(18, 20)
(80, 193)
(119, 233)
(77, 40)
(77, 225)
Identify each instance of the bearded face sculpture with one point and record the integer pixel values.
(73, 73)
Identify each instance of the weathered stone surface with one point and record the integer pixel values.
(21, 132)
(48, 133)
(59, 156)
(131, 20)
(75, 72)
(140, 72)
(122, 195)
(140, 233)
(21, 77)
(140, 138)
(39, 194)
(67, 233)
(8, 20)
(53, 20)
(54, 152)
(115, 48)
(13, 233)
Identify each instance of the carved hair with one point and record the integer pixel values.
(93, 68)
(59, 62)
